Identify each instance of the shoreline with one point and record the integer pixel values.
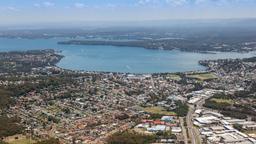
(71, 41)
(151, 45)
(59, 54)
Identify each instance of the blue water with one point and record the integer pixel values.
(118, 59)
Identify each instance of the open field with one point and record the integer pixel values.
(158, 110)
(21, 140)
(251, 133)
(174, 77)
(54, 109)
(203, 76)
(229, 101)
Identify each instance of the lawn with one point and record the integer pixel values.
(158, 110)
(203, 76)
(21, 140)
(229, 101)
(174, 77)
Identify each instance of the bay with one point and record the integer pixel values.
(118, 59)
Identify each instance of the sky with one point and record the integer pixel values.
(56, 11)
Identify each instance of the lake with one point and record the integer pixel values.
(118, 59)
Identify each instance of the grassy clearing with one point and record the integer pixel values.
(250, 132)
(21, 140)
(54, 109)
(158, 110)
(131, 137)
(229, 101)
(174, 77)
(203, 76)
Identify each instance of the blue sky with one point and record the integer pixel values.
(47, 11)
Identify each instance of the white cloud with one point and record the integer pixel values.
(145, 2)
(44, 4)
(177, 2)
(110, 5)
(79, 5)
(37, 5)
(186, 2)
(162, 2)
(48, 4)
(9, 8)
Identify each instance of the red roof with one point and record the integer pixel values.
(159, 122)
(147, 121)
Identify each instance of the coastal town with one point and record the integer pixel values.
(214, 106)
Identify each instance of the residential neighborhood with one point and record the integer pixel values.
(89, 107)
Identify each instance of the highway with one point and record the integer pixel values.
(184, 131)
(194, 134)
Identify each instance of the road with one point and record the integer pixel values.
(194, 134)
(184, 131)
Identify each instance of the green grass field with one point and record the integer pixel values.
(229, 101)
(158, 110)
(21, 140)
(174, 77)
(203, 76)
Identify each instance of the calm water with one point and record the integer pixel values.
(118, 59)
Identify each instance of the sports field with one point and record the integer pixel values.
(158, 110)
(203, 76)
